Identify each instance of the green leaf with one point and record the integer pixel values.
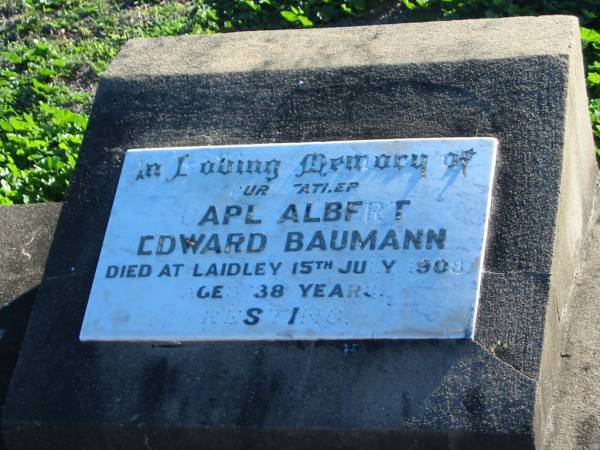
(46, 72)
(41, 48)
(346, 8)
(305, 21)
(5, 186)
(593, 78)
(53, 163)
(253, 6)
(409, 5)
(17, 124)
(13, 57)
(589, 35)
(47, 108)
(41, 87)
(5, 125)
(289, 16)
(29, 119)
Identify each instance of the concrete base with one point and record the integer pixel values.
(27, 232)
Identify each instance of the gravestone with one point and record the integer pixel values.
(193, 297)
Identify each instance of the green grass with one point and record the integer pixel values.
(54, 50)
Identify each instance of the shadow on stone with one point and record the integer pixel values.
(13, 323)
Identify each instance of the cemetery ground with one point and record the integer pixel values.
(53, 51)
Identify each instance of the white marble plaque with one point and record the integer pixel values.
(379, 239)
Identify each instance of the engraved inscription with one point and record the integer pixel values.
(338, 240)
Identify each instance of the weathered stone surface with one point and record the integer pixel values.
(27, 233)
(519, 80)
(574, 421)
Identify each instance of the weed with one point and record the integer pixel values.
(500, 347)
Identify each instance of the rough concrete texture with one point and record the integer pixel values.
(519, 80)
(26, 233)
(574, 198)
(574, 420)
(334, 48)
